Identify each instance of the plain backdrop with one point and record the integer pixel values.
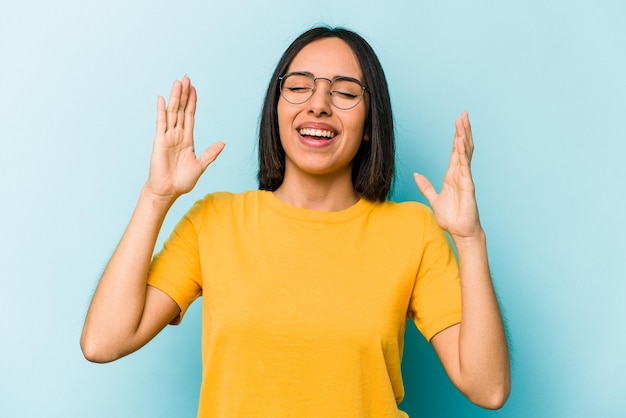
(544, 82)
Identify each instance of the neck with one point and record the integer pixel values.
(318, 193)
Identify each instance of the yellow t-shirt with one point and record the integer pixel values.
(304, 311)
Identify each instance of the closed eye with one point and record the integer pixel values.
(344, 95)
(299, 89)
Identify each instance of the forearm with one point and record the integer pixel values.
(484, 369)
(117, 306)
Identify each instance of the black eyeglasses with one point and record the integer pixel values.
(344, 92)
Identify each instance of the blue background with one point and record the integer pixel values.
(544, 82)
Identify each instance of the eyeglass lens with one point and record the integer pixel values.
(345, 93)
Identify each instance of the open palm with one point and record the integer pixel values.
(455, 206)
(174, 168)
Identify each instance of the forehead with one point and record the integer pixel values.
(329, 58)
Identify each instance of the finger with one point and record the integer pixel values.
(210, 154)
(467, 127)
(184, 98)
(426, 188)
(456, 141)
(460, 150)
(172, 106)
(190, 111)
(161, 117)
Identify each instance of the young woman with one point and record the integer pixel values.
(307, 283)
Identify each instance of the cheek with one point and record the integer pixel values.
(285, 115)
(358, 122)
(283, 121)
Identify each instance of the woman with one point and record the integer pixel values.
(307, 282)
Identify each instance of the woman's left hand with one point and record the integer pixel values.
(474, 353)
(455, 206)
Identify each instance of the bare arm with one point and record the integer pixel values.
(475, 352)
(125, 313)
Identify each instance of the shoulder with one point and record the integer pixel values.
(403, 210)
(410, 218)
(226, 204)
(229, 199)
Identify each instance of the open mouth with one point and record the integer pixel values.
(317, 133)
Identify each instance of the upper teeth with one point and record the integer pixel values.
(316, 132)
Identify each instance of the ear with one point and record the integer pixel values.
(366, 136)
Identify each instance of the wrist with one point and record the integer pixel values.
(156, 200)
(476, 239)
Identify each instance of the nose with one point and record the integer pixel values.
(319, 103)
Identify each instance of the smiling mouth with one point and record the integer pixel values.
(317, 133)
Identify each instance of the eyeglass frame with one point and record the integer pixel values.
(329, 92)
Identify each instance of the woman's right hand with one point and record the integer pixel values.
(174, 168)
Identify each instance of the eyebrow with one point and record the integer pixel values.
(310, 74)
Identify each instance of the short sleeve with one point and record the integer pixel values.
(176, 269)
(436, 299)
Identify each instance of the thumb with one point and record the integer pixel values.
(210, 154)
(425, 187)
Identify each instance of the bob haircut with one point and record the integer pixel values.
(373, 164)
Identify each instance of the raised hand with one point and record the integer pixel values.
(455, 206)
(174, 168)
(125, 313)
(474, 352)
